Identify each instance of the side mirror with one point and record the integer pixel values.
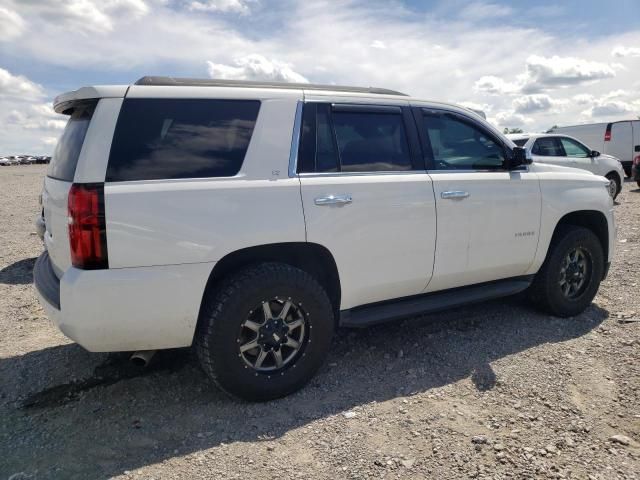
(519, 157)
(594, 153)
(637, 149)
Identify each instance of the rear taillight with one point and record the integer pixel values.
(87, 230)
(607, 133)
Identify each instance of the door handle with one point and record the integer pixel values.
(334, 200)
(454, 194)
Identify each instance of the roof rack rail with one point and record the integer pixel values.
(213, 82)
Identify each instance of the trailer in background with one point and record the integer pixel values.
(618, 139)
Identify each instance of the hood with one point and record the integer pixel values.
(604, 156)
(540, 167)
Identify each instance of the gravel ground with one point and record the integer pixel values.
(495, 390)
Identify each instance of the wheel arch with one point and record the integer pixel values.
(312, 258)
(593, 220)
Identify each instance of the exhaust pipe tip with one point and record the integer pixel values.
(142, 358)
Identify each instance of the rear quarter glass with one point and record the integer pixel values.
(158, 138)
(65, 157)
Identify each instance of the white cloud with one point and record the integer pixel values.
(235, 6)
(544, 73)
(510, 119)
(480, 11)
(18, 86)
(95, 16)
(547, 73)
(495, 85)
(536, 103)
(11, 24)
(51, 141)
(583, 98)
(255, 67)
(326, 42)
(622, 51)
(610, 107)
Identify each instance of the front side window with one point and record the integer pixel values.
(371, 142)
(573, 148)
(457, 144)
(158, 138)
(548, 147)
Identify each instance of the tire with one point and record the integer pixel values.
(638, 182)
(612, 177)
(546, 291)
(240, 301)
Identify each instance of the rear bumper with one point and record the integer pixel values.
(126, 309)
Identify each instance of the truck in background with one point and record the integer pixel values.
(617, 139)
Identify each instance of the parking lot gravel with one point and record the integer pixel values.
(496, 390)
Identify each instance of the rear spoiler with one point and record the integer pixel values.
(63, 102)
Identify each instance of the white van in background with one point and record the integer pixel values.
(617, 139)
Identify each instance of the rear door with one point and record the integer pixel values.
(60, 176)
(367, 198)
(621, 143)
(549, 150)
(488, 217)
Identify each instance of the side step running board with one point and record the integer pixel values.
(373, 314)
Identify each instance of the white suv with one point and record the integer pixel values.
(252, 219)
(571, 152)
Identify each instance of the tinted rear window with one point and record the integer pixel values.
(371, 142)
(180, 138)
(65, 157)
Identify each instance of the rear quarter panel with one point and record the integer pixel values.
(163, 222)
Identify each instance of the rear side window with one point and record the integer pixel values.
(371, 142)
(157, 138)
(548, 147)
(65, 157)
(348, 138)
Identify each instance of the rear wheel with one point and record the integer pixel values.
(614, 184)
(265, 331)
(570, 275)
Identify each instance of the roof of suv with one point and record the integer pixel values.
(63, 101)
(214, 82)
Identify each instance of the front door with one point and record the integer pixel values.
(488, 217)
(366, 200)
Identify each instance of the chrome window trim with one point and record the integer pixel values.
(360, 174)
(295, 140)
(488, 170)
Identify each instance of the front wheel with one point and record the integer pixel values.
(570, 276)
(265, 331)
(614, 185)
